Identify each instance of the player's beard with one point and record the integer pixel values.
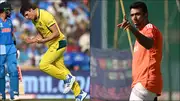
(138, 23)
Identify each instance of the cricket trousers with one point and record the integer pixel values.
(139, 93)
(8, 56)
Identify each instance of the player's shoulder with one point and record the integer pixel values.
(9, 20)
(44, 12)
(151, 26)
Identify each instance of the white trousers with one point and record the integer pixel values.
(139, 93)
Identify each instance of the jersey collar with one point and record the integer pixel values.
(38, 14)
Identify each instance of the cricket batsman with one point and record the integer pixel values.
(7, 53)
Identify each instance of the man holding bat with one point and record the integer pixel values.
(7, 53)
(147, 55)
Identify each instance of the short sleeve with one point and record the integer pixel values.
(150, 31)
(48, 19)
(11, 26)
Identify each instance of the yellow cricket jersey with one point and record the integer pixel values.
(42, 24)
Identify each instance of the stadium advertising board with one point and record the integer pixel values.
(110, 74)
(38, 85)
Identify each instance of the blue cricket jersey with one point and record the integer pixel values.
(6, 29)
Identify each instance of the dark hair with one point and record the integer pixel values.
(26, 7)
(139, 4)
(4, 6)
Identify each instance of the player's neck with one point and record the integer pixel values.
(36, 14)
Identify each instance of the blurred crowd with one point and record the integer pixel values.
(73, 19)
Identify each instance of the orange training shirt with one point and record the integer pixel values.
(146, 64)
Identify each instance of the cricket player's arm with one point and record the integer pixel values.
(145, 41)
(55, 34)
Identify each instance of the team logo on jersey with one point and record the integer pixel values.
(40, 23)
(1, 25)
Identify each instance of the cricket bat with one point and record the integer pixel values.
(21, 85)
